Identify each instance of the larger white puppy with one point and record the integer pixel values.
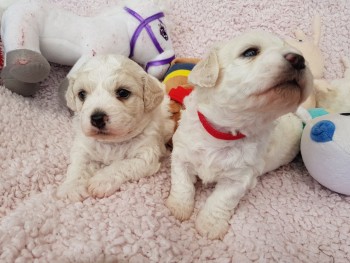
(122, 125)
(228, 133)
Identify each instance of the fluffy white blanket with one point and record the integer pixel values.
(288, 217)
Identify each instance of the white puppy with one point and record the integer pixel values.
(122, 125)
(228, 133)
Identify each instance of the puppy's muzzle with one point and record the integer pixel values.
(98, 119)
(297, 61)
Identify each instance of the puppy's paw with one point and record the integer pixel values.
(182, 210)
(211, 226)
(100, 186)
(75, 191)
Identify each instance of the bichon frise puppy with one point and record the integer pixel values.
(122, 125)
(228, 133)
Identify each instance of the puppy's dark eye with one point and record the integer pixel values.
(82, 95)
(123, 93)
(250, 52)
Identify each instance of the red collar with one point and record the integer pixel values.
(218, 134)
(179, 93)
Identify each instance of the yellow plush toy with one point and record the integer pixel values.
(309, 47)
(334, 95)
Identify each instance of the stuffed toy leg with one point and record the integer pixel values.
(35, 32)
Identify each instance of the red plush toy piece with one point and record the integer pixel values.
(179, 93)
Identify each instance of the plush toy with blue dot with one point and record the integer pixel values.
(325, 149)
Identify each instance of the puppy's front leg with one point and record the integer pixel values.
(75, 185)
(212, 220)
(181, 197)
(109, 179)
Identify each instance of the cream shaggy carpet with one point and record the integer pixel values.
(288, 217)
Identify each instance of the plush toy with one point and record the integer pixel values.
(176, 84)
(35, 32)
(335, 95)
(309, 47)
(325, 149)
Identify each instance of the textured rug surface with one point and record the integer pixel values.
(288, 217)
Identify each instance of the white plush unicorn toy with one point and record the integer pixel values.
(36, 31)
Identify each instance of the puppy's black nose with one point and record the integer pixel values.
(297, 61)
(98, 119)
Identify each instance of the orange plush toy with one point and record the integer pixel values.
(176, 84)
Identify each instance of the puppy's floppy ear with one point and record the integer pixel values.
(153, 93)
(67, 84)
(206, 72)
(70, 97)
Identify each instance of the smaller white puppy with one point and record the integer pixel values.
(122, 125)
(228, 133)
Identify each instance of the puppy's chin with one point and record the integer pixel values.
(289, 90)
(106, 135)
(283, 97)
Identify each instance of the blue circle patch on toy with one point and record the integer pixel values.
(325, 149)
(322, 131)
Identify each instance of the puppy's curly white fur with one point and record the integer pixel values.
(243, 86)
(122, 125)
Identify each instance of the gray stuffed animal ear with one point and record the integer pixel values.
(153, 93)
(206, 72)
